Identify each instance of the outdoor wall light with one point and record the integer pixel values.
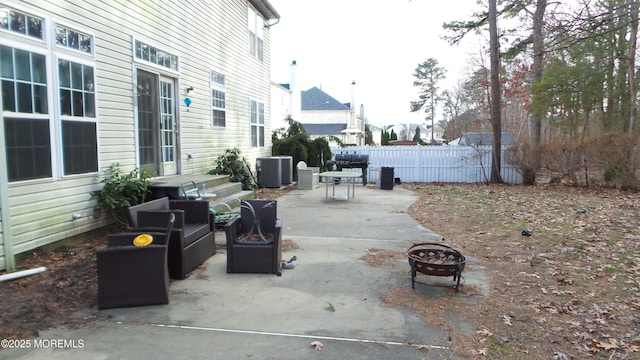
(187, 101)
(188, 89)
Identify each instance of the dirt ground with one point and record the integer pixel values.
(571, 290)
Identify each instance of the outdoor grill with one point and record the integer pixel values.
(352, 161)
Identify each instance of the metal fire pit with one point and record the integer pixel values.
(437, 260)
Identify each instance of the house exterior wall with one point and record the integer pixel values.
(325, 117)
(280, 106)
(205, 36)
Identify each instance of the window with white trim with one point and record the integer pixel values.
(153, 55)
(73, 39)
(256, 111)
(21, 23)
(35, 114)
(78, 117)
(218, 102)
(256, 35)
(25, 111)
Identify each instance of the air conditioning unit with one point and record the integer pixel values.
(287, 168)
(269, 172)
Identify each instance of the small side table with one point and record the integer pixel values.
(332, 175)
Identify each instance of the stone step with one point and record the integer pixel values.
(213, 180)
(213, 188)
(221, 190)
(232, 202)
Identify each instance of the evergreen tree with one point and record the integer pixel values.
(393, 135)
(368, 137)
(384, 138)
(427, 75)
(416, 136)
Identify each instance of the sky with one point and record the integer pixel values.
(378, 44)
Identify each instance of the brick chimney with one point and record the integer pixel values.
(353, 95)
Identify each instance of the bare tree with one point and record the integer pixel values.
(496, 92)
(633, 91)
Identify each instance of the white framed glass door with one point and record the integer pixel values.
(168, 125)
(157, 123)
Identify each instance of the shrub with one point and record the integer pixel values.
(618, 155)
(297, 143)
(525, 156)
(586, 161)
(233, 164)
(122, 190)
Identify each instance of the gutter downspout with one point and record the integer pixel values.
(23, 273)
(272, 24)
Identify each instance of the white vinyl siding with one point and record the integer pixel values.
(203, 35)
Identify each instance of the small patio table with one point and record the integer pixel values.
(332, 175)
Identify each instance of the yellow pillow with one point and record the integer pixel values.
(143, 240)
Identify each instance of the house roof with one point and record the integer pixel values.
(485, 138)
(316, 99)
(266, 9)
(324, 129)
(403, 142)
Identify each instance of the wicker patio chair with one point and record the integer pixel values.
(130, 275)
(254, 240)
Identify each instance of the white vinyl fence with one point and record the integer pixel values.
(446, 164)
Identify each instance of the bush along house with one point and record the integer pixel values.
(167, 86)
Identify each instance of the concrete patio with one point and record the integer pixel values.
(215, 315)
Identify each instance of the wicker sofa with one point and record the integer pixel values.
(192, 240)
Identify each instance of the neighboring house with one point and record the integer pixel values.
(322, 115)
(376, 133)
(482, 138)
(86, 84)
(320, 111)
(280, 105)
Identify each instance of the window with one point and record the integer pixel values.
(256, 111)
(24, 81)
(20, 23)
(37, 134)
(73, 39)
(218, 104)
(167, 121)
(24, 90)
(77, 96)
(79, 146)
(155, 56)
(256, 42)
(28, 148)
(77, 110)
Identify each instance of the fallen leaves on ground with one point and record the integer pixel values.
(571, 290)
(35, 303)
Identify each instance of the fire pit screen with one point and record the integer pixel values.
(437, 260)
